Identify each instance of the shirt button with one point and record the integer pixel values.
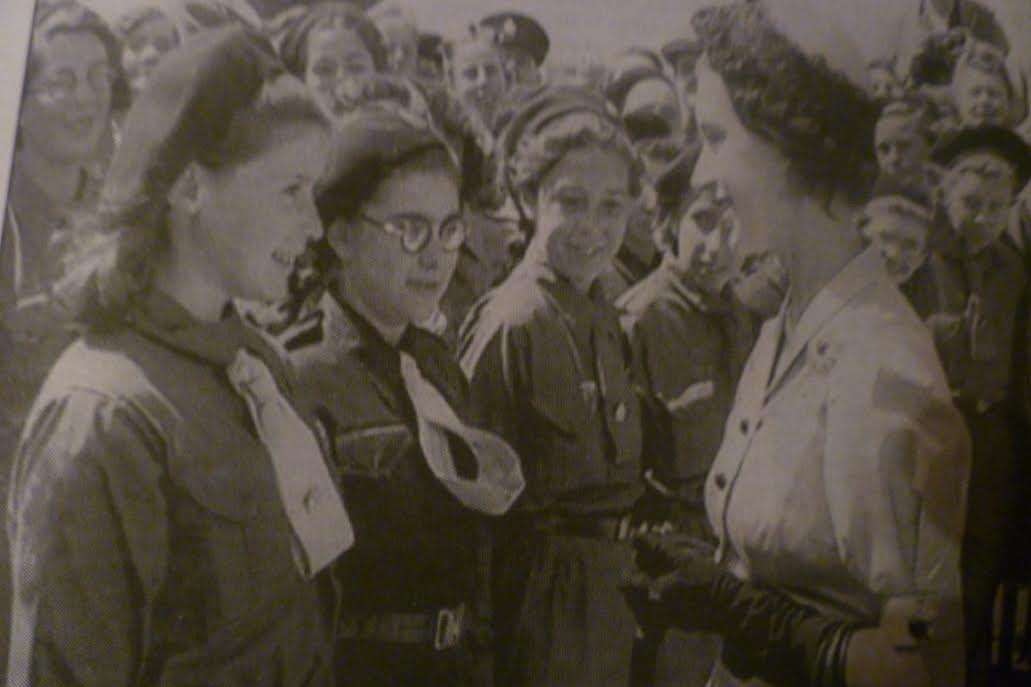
(744, 426)
(721, 481)
(311, 499)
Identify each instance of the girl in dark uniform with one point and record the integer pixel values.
(415, 477)
(169, 506)
(549, 370)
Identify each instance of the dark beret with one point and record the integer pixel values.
(999, 140)
(431, 47)
(681, 47)
(889, 186)
(548, 104)
(367, 146)
(187, 108)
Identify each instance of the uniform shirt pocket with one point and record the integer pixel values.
(375, 451)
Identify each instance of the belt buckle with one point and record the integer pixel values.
(449, 628)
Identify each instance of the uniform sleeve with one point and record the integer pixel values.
(658, 448)
(494, 359)
(896, 467)
(89, 543)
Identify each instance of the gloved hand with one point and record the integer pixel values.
(659, 554)
(672, 586)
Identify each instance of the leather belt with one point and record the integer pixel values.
(441, 629)
(610, 527)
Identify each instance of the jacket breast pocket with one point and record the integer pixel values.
(229, 533)
(376, 451)
(563, 434)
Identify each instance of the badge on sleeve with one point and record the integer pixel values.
(699, 391)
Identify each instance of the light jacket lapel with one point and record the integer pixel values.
(855, 276)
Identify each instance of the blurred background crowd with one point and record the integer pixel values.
(685, 290)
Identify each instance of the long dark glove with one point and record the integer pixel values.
(767, 634)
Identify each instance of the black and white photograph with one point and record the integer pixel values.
(515, 343)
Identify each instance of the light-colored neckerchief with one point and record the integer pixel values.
(499, 480)
(313, 505)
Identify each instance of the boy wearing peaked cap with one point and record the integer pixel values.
(979, 280)
(523, 42)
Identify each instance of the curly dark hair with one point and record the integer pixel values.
(813, 114)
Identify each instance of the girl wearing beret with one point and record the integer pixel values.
(417, 479)
(333, 47)
(549, 371)
(837, 494)
(169, 505)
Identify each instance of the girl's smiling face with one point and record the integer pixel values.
(256, 218)
(67, 104)
(581, 210)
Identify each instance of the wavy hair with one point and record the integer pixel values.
(810, 112)
(219, 114)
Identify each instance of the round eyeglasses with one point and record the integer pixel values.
(62, 86)
(415, 231)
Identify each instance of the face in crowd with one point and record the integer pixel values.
(402, 43)
(884, 85)
(900, 238)
(900, 145)
(67, 104)
(253, 220)
(521, 68)
(401, 251)
(977, 193)
(337, 65)
(705, 235)
(581, 210)
(981, 96)
(478, 78)
(144, 44)
(651, 114)
(429, 71)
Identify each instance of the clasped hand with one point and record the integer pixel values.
(672, 581)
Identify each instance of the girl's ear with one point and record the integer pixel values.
(341, 236)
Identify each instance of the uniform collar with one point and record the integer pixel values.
(687, 290)
(160, 318)
(560, 287)
(858, 274)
